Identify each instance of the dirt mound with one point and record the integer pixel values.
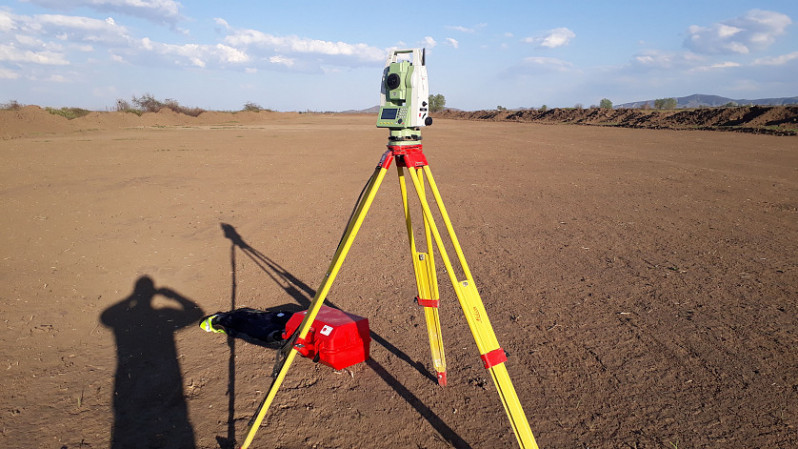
(30, 121)
(777, 120)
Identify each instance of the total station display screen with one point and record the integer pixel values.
(388, 114)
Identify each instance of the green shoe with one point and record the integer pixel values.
(207, 324)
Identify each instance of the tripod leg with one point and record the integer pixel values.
(427, 282)
(352, 229)
(491, 353)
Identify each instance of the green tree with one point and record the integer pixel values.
(605, 103)
(665, 103)
(544, 108)
(436, 102)
(671, 103)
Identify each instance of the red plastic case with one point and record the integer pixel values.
(336, 338)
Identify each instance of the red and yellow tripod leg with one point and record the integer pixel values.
(493, 358)
(427, 283)
(352, 229)
(491, 353)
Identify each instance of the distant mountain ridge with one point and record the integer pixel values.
(699, 100)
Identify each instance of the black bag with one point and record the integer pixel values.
(254, 326)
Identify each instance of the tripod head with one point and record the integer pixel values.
(404, 95)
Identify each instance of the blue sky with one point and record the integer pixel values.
(328, 55)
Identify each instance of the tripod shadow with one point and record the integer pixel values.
(149, 407)
(303, 295)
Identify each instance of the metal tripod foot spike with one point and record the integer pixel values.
(411, 160)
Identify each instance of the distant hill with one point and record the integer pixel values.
(371, 110)
(698, 100)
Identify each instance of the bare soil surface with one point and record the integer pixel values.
(776, 120)
(644, 283)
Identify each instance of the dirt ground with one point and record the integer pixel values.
(644, 283)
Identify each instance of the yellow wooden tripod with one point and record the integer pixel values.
(409, 155)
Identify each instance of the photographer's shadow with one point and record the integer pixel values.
(150, 410)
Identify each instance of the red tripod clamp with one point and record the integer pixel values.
(427, 302)
(409, 156)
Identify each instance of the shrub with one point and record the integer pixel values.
(252, 107)
(10, 106)
(605, 103)
(175, 106)
(69, 113)
(124, 106)
(148, 103)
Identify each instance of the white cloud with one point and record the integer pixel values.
(78, 23)
(656, 59)
(557, 37)
(6, 22)
(221, 22)
(718, 66)
(464, 29)
(10, 53)
(547, 63)
(230, 54)
(56, 78)
(297, 45)
(725, 31)
(452, 42)
(56, 39)
(28, 41)
(755, 30)
(429, 42)
(69, 28)
(460, 28)
(8, 74)
(195, 54)
(778, 60)
(61, 27)
(725, 65)
(159, 11)
(282, 60)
